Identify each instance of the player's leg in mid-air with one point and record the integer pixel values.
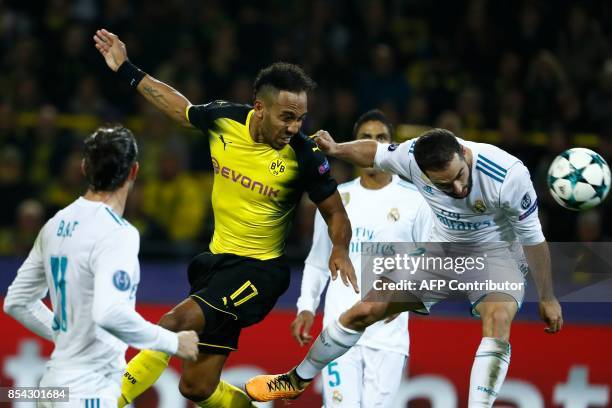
(147, 366)
(496, 309)
(200, 381)
(228, 292)
(334, 340)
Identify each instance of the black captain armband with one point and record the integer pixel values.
(131, 73)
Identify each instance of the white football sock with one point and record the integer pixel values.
(334, 341)
(488, 372)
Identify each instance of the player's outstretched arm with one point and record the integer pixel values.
(538, 257)
(359, 152)
(163, 96)
(339, 230)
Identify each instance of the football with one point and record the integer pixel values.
(579, 179)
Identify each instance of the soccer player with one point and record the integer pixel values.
(86, 256)
(381, 207)
(479, 194)
(262, 165)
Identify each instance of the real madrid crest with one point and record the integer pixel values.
(337, 397)
(479, 207)
(393, 215)
(277, 166)
(346, 198)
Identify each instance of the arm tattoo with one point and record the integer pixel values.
(156, 97)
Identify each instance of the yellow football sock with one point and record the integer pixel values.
(141, 372)
(226, 396)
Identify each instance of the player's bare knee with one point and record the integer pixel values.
(352, 318)
(183, 318)
(173, 321)
(362, 315)
(197, 390)
(497, 323)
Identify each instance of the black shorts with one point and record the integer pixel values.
(234, 292)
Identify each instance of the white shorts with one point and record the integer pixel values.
(503, 264)
(88, 389)
(81, 403)
(363, 377)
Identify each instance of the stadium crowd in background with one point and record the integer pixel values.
(536, 73)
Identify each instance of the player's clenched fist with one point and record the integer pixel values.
(325, 142)
(111, 47)
(188, 345)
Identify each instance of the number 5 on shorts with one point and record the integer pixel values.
(244, 296)
(332, 371)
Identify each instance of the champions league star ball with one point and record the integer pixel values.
(579, 179)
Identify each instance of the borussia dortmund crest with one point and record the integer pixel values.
(277, 166)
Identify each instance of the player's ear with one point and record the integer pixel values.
(134, 171)
(83, 167)
(258, 105)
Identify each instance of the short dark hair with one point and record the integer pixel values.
(373, 115)
(282, 76)
(109, 155)
(435, 149)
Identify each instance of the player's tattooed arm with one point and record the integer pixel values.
(163, 96)
(156, 97)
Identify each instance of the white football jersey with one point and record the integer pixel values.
(87, 257)
(502, 205)
(394, 213)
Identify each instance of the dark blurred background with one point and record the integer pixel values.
(534, 77)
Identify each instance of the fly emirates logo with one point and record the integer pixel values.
(244, 180)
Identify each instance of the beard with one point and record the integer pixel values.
(469, 187)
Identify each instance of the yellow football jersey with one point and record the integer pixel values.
(256, 188)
